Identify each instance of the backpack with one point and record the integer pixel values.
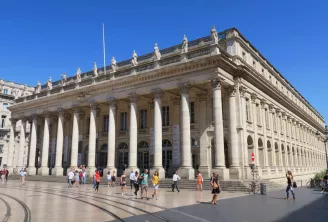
(140, 178)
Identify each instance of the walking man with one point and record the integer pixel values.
(144, 184)
(176, 178)
(70, 178)
(131, 179)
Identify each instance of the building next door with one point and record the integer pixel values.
(143, 156)
(167, 158)
(123, 157)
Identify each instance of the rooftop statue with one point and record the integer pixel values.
(95, 69)
(78, 75)
(157, 53)
(64, 79)
(49, 83)
(38, 87)
(184, 47)
(113, 63)
(134, 60)
(214, 35)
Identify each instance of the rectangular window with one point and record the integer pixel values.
(267, 119)
(106, 123)
(143, 119)
(166, 116)
(4, 106)
(5, 91)
(244, 56)
(254, 64)
(192, 112)
(1, 148)
(258, 114)
(124, 121)
(248, 111)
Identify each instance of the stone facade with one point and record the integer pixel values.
(206, 105)
(9, 91)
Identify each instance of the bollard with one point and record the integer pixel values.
(263, 188)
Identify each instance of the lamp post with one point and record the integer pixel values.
(325, 140)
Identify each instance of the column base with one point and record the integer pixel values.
(205, 171)
(161, 172)
(187, 173)
(91, 171)
(31, 171)
(112, 171)
(222, 172)
(58, 171)
(44, 171)
(235, 173)
(131, 169)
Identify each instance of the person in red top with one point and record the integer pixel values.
(3, 175)
(97, 177)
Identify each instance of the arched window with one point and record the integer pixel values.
(269, 145)
(166, 143)
(143, 144)
(123, 146)
(250, 141)
(260, 143)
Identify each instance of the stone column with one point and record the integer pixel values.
(92, 139)
(203, 140)
(111, 137)
(20, 162)
(58, 170)
(255, 142)
(31, 167)
(11, 149)
(235, 164)
(45, 146)
(133, 133)
(186, 169)
(219, 159)
(265, 144)
(75, 137)
(158, 165)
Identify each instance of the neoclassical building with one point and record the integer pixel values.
(206, 105)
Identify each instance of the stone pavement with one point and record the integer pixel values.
(42, 201)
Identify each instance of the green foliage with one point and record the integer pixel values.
(319, 176)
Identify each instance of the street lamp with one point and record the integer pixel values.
(325, 140)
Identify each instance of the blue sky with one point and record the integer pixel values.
(47, 38)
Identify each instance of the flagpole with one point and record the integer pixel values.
(103, 27)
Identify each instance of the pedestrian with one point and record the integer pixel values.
(123, 183)
(70, 178)
(7, 173)
(199, 181)
(109, 179)
(81, 176)
(290, 178)
(94, 180)
(22, 176)
(97, 177)
(144, 183)
(113, 179)
(84, 176)
(176, 178)
(155, 181)
(3, 175)
(215, 188)
(77, 179)
(136, 183)
(325, 182)
(131, 179)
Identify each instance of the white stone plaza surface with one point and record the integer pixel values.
(206, 105)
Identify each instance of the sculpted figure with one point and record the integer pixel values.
(49, 83)
(157, 53)
(38, 87)
(134, 60)
(95, 69)
(113, 63)
(184, 47)
(64, 79)
(215, 36)
(78, 75)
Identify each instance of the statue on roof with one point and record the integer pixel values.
(134, 60)
(157, 53)
(64, 79)
(184, 47)
(113, 64)
(95, 69)
(78, 75)
(49, 84)
(214, 35)
(38, 87)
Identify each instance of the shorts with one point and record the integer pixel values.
(155, 186)
(123, 184)
(144, 187)
(109, 180)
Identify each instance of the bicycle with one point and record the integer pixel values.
(314, 184)
(254, 187)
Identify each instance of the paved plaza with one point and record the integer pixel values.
(42, 201)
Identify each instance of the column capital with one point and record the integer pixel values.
(184, 87)
(176, 100)
(232, 90)
(272, 108)
(216, 83)
(93, 105)
(61, 112)
(158, 93)
(242, 91)
(202, 96)
(263, 103)
(133, 97)
(112, 101)
(253, 97)
(76, 108)
(13, 120)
